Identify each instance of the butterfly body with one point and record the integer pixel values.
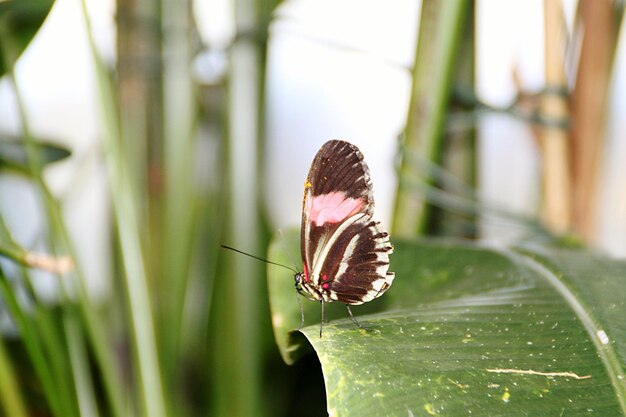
(345, 253)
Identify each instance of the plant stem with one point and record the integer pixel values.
(459, 149)
(10, 395)
(556, 168)
(437, 46)
(601, 24)
(236, 338)
(60, 242)
(126, 214)
(180, 200)
(35, 350)
(44, 325)
(80, 365)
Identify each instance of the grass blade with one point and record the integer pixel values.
(10, 395)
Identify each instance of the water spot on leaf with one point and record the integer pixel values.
(506, 396)
(430, 409)
(278, 320)
(604, 339)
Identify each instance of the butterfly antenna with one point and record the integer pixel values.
(260, 259)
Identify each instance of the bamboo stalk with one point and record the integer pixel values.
(140, 104)
(126, 213)
(437, 47)
(459, 151)
(554, 138)
(180, 197)
(589, 106)
(236, 337)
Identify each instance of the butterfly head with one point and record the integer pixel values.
(299, 279)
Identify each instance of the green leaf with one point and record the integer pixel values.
(470, 330)
(21, 19)
(13, 154)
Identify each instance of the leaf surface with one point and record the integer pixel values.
(13, 155)
(469, 330)
(20, 20)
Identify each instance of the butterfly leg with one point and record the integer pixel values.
(323, 318)
(301, 311)
(354, 320)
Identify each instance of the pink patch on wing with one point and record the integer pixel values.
(332, 207)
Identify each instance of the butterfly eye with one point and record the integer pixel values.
(298, 279)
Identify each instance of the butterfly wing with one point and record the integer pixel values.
(345, 253)
(338, 186)
(356, 268)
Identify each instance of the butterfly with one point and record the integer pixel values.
(345, 252)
